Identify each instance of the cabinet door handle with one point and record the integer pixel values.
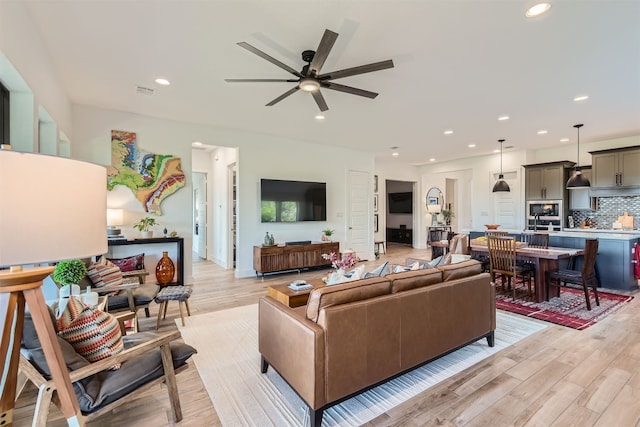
(620, 175)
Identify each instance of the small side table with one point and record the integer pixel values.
(379, 244)
(173, 293)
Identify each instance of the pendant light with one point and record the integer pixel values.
(577, 180)
(501, 184)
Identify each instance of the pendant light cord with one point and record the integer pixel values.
(578, 126)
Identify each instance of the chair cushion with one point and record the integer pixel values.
(142, 295)
(132, 374)
(93, 333)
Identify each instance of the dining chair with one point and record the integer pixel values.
(585, 277)
(536, 240)
(502, 261)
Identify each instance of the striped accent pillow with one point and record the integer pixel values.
(92, 333)
(104, 273)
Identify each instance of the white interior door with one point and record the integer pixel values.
(506, 205)
(360, 224)
(200, 214)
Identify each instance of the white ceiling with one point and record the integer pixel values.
(458, 65)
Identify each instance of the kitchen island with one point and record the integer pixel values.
(615, 253)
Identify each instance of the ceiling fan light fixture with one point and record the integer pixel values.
(309, 85)
(501, 185)
(577, 180)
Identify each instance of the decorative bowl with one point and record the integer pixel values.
(492, 226)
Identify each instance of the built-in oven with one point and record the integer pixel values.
(546, 215)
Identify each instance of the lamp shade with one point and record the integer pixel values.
(114, 217)
(501, 185)
(53, 208)
(577, 180)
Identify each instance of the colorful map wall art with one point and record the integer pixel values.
(151, 177)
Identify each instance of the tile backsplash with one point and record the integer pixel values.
(609, 209)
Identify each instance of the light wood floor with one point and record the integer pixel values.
(558, 377)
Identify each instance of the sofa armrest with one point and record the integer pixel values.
(293, 346)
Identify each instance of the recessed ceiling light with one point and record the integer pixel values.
(537, 10)
(471, 145)
(580, 98)
(196, 143)
(564, 140)
(542, 132)
(503, 118)
(163, 82)
(496, 151)
(319, 117)
(432, 159)
(395, 154)
(448, 132)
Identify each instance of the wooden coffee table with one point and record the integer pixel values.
(290, 297)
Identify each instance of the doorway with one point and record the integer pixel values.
(200, 214)
(400, 205)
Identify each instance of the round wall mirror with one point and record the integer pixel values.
(435, 201)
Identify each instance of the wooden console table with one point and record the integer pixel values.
(271, 259)
(178, 241)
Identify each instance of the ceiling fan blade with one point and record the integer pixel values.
(322, 104)
(362, 69)
(349, 89)
(328, 39)
(271, 59)
(260, 80)
(283, 96)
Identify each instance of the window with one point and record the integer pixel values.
(4, 115)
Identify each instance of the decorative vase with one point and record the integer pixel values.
(267, 239)
(165, 270)
(146, 234)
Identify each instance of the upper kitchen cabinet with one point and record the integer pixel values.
(616, 171)
(546, 181)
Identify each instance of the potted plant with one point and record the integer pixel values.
(326, 234)
(68, 274)
(144, 226)
(447, 214)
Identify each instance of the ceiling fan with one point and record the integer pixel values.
(309, 79)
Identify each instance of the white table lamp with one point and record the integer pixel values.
(52, 209)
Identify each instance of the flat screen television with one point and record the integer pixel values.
(400, 203)
(292, 201)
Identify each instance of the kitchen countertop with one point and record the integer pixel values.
(583, 233)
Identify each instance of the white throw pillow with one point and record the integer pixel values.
(380, 271)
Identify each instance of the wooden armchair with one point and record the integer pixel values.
(148, 358)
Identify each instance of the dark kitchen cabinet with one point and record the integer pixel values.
(546, 181)
(616, 168)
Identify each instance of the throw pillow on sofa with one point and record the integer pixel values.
(336, 277)
(380, 271)
(92, 333)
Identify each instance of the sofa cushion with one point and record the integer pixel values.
(93, 334)
(345, 293)
(414, 279)
(460, 270)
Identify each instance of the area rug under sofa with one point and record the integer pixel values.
(229, 364)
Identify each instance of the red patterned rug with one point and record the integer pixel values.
(569, 309)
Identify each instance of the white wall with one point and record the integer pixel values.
(22, 45)
(258, 156)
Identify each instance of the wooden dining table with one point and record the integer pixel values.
(544, 260)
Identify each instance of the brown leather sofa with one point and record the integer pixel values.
(353, 336)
